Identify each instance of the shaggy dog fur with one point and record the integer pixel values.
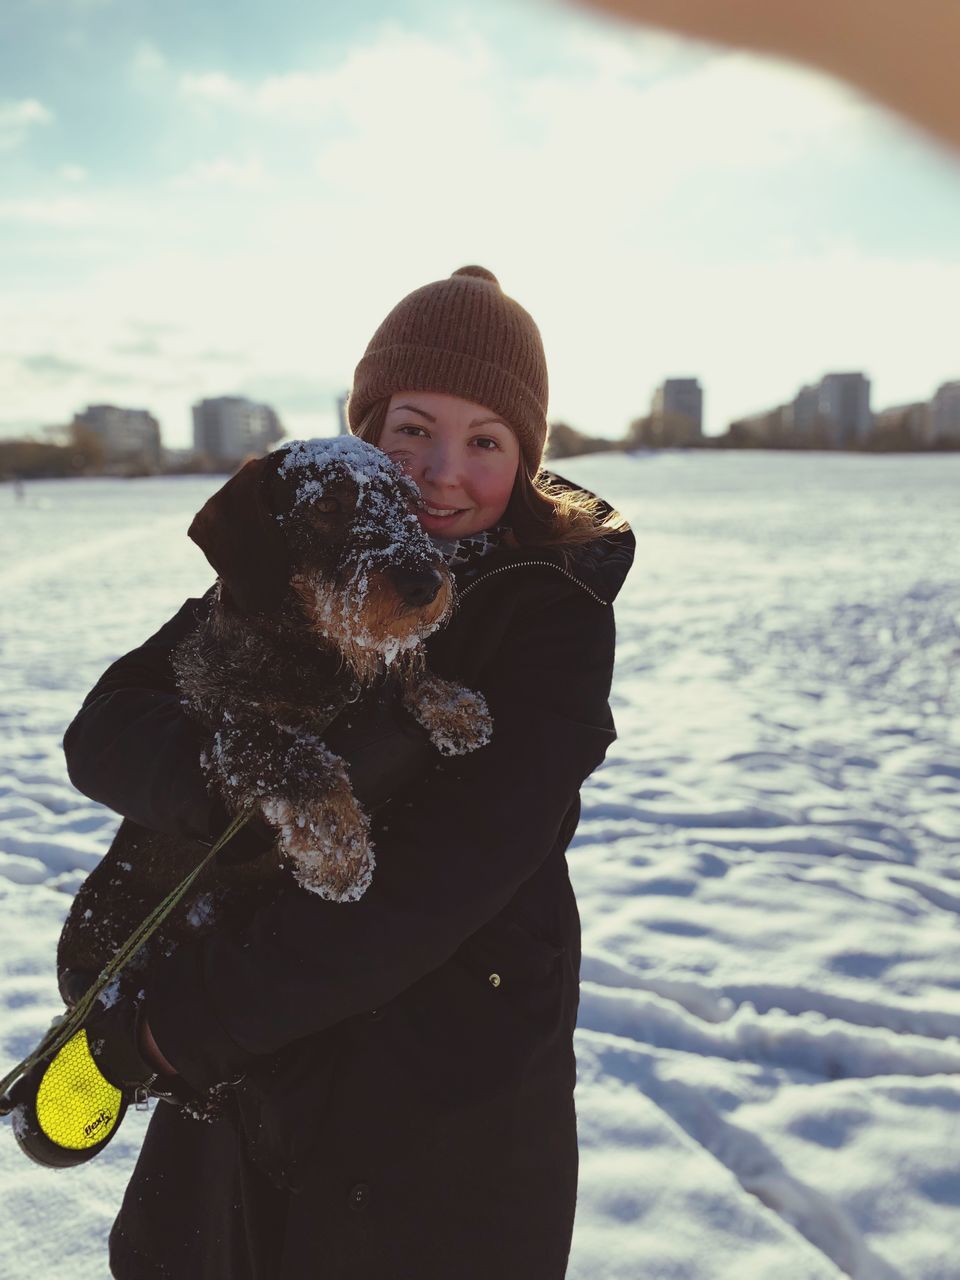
(325, 583)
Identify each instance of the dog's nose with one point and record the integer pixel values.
(416, 587)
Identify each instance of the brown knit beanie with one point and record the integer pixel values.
(465, 337)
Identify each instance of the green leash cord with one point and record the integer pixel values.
(66, 1027)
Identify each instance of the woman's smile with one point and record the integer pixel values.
(440, 512)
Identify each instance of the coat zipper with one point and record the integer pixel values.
(520, 564)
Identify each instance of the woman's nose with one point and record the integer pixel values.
(440, 465)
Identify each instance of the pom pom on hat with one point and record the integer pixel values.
(480, 272)
(465, 338)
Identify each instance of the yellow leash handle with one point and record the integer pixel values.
(65, 1110)
(76, 1106)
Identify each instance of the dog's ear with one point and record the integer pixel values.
(239, 536)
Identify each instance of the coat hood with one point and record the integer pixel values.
(600, 566)
(605, 563)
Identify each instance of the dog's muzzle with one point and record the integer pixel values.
(415, 587)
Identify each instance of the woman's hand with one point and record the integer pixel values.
(125, 1052)
(151, 1051)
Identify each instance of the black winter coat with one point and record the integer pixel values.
(406, 1107)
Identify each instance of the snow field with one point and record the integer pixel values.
(767, 874)
(766, 867)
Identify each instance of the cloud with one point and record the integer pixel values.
(399, 80)
(149, 346)
(214, 355)
(56, 211)
(18, 118)
(652, 91)
(155, 328)
(224, 172)
(148, 63)
(214, 87)
(615, 132)
(628, 147)
(293, 392)
(49, 368)
(399, 69)
(144, 347)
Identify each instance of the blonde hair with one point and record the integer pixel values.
(540, 512)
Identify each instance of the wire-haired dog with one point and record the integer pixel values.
(325, 580)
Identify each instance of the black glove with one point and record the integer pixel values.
(113, 1035)
(385, 748)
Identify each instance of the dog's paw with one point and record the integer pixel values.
(326, 843)
(458, 720)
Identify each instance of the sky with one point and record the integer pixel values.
(201, 199)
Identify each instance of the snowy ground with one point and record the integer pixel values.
(767, 865)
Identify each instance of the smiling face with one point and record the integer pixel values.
(462, 457)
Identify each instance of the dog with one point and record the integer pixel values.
(326, 585)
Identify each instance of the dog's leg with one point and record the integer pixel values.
(304, 790)
(325, 837)
(457, 719)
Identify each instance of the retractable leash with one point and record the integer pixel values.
(64, 1109)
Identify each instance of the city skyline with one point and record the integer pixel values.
(836, 412)
(191, 205)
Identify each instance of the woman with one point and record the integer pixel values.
(404, 1065)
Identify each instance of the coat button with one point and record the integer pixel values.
(494, 979)
(359, 1196)
(375, 1015)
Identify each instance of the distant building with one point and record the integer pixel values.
(944, 421)
(226, 429)
(833, 413)
(129, 439)
(342, 413)
(676, 414)
(800, 422)
(843, 409)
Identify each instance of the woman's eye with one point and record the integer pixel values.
(408, 428)
(486, 443)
